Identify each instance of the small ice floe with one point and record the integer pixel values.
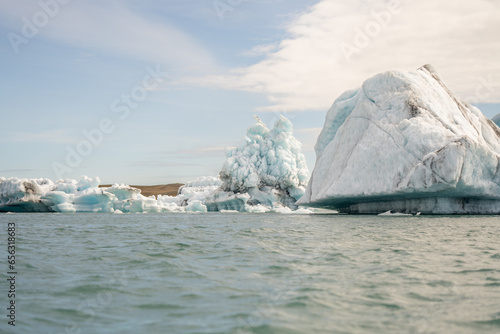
(389, 213)
(304, 211)
(286, 210)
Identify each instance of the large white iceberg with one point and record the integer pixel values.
(404, 142)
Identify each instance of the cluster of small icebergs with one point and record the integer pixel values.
(265, 173)
(85, 195)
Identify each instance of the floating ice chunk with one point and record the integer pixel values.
(287, 210)
(142, 204)
(68, 186)
(221, 200)
(23, 195)
(87, 182)
(303, 211)
(94, 200)
(58, 201)
(196, 206)
(390, 213)
(198, 189)
(282, 209)
(259, 208)
(123, 192)
(36, 195)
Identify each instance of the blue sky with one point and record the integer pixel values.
(68, 67)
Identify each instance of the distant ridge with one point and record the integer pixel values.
(164, 189)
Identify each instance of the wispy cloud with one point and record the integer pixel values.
(205, 151)
(309, 69)
(153, 163)
(59, 136)
(113, 28)
(18, 171)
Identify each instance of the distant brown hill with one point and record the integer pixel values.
(164, 189)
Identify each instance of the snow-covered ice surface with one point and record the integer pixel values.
(405, 142)
(265, 173)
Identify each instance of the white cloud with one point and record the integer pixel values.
(112, 28)
(309, 69)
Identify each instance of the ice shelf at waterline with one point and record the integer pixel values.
(407, 143)
(266, 172)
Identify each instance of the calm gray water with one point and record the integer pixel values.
(253, 273)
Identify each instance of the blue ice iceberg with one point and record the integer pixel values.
(405, 142)
(267, 170)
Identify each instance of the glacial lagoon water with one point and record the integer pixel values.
(253, 273)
